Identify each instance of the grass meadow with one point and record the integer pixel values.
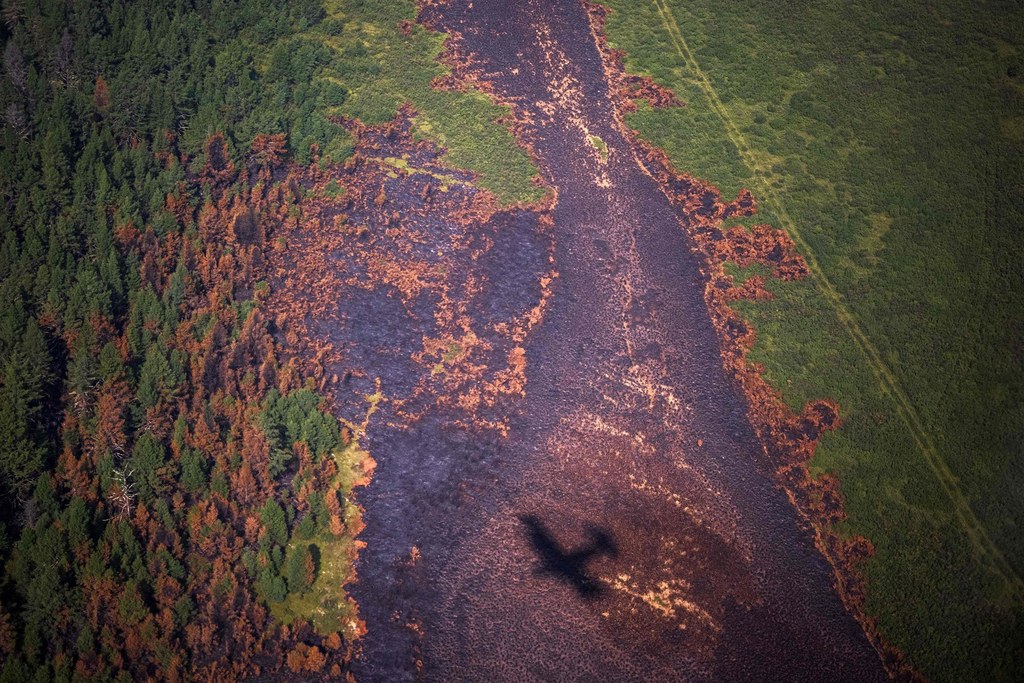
(381, 68)
(887, 139)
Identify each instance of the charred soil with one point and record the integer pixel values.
(571, 483)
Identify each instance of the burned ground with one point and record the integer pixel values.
(560, 363)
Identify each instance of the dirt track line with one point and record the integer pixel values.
(887, 380)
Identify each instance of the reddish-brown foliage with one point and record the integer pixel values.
(229, 366)
(101, 94)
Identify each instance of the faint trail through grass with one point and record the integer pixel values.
(890, 385)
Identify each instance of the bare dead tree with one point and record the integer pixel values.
(27, 507)
(123, 496)
(14, 63)
(65, 61)
(80, 399)
(12, 12)
(17, 119)
(117, 448)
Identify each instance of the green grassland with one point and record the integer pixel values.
(324, 602)
(380, 69)
(887, 139)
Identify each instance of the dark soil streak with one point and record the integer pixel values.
(591, 401)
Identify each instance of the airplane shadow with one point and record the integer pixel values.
(565, 565)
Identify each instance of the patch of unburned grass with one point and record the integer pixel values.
(382, 68)
(325, 604)
(599, 145)
(446, 180)
(886, 132)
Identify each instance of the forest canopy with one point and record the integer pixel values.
(157, 451)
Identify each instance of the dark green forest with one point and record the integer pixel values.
(152, 436)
